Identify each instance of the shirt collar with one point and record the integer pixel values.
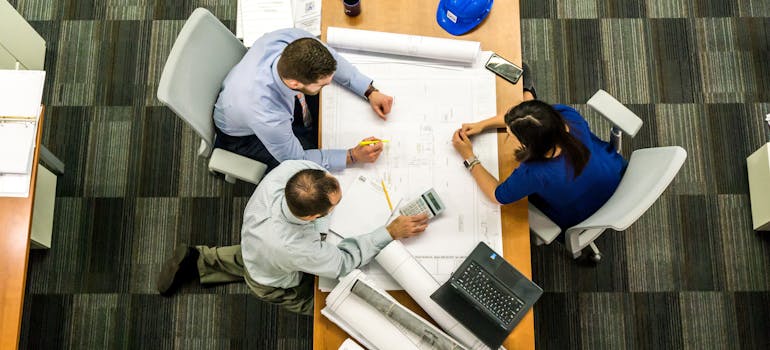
(289, 216)
(279, 82)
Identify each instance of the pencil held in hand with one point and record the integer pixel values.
(372, 142)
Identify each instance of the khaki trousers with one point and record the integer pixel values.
(225, 264)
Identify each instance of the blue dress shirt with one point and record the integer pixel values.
(255, 101)
(550, 184)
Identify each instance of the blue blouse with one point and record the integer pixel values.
(550, 184)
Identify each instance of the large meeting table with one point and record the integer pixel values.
(499, 32)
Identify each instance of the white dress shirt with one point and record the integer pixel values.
(278, 247)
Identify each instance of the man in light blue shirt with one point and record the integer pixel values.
(268, 107)
(282, 241)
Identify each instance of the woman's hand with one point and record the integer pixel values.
(462, 144)
(471, 129)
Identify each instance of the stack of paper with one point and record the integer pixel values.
(21, 92)
(254, 18)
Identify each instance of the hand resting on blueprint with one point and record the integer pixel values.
(408, 226)
(381, 103)
(365, 153)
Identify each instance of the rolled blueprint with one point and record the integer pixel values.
(372, 328)
(395, 311)
(419, 284)
(461, 51)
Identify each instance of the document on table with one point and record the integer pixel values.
(364, 207)
(257, 17)
(263, 16)
(420, 153)
(307, 15)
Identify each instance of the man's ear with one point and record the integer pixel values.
(294, 84)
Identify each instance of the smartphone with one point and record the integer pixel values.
(504, 68)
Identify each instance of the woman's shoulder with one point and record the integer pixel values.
(568, 112)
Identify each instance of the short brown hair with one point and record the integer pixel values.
(307, 192)
(306, 60)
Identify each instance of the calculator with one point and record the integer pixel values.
(429, 203)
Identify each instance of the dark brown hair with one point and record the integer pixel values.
(306, 60)
(307, 192)
(540, 128)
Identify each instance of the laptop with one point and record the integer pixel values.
(487, 295)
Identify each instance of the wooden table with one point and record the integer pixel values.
(15, 225)
(500, 32)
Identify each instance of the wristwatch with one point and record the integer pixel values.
(470, 162)
(370, 90)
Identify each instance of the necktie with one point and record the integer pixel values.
(305, 112)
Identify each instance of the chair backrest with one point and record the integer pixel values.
(202, 55)
(649, 173)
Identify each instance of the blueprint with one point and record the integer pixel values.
(431, 101)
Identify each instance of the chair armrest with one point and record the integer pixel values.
(545, 229)
(237, 166)
(614, 111)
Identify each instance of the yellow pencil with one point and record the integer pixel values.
(382, 182)
(364, 143)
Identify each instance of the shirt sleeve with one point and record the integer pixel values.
(334, 261)
(520, 184)
(276, 134)
(348, 76)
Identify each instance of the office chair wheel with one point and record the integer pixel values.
(595, 257)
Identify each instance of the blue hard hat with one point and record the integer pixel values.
(460, 16)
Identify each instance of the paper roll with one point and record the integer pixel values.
(460, 51)
(419, 284)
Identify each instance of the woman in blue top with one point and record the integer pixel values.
(567, 172)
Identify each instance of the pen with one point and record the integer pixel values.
(364, 143)
(382, 182)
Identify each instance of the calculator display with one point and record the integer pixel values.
(433, 201)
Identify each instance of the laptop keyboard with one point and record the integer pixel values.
(480, 286)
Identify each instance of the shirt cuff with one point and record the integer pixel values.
(360, 83)
(381, 237)
(338, 159)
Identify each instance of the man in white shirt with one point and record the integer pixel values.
(282, 243)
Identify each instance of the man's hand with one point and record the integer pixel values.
(366, 153)
(407, 226)
(462, 144)
(380, 103)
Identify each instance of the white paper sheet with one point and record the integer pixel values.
(302, 14)
(431, 102)
(440, 49)
(307, 15)
(263, 16)
(21, 92)
(17, 145)
(349, 344)
(363, 208)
